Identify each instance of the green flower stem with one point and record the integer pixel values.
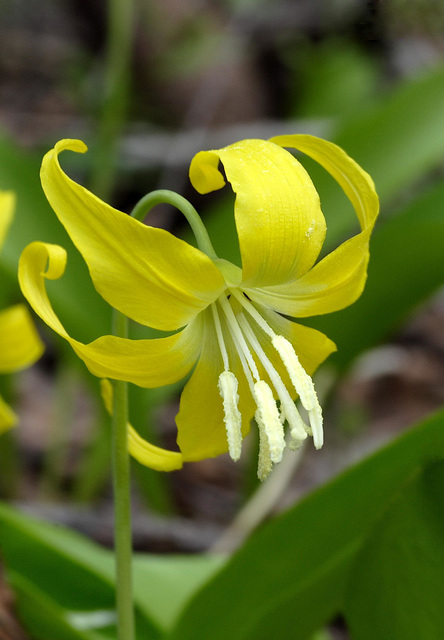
(163, 196)
(121, 463)
(122, 499)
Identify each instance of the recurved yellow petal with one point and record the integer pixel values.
(7, 205)
(20, 344)
(8, 419)
(147, 363)
(334, 283)
(200, 421)
(144, 272)
(279, 221)
(356, 183)
(337, 280)
(143, 451)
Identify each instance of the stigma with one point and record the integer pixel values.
(238, 320)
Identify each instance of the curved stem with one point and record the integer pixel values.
(163, 196)
(122, 498)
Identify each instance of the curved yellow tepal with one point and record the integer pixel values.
(119, 250)
(204, 173)
(7, 205)
(338, 279)
(278, 215)
(147, 363)
(143, 451)
(356, 183)
(20, 344)
(8, 418)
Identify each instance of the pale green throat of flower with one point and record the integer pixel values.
(238, 315)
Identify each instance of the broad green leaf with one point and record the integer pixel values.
(72, 572)
(396, 589)
(164, 584)
(406, 267)
(289, 578)
(75, 574)
(42, 617)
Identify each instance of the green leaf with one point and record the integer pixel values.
(43, 618)
(289, 578)
(396, 589)
(406, 267)
(72, 575)
(164, 584)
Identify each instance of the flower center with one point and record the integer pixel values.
(239, 319)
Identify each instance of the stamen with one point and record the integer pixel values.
(254, 313)
(265, 464)
(316, 420)
(228, 386)
(220, 337)
(303, 385)
(238, 336)
(301, 381)
(268, 414)
(297, 425)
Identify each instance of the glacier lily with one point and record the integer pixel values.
(250, 360)
(20, 345)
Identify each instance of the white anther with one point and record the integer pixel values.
(265, 464)
(315, 416)
(228, 386)
(302, 382)
(295, 442)
(304, 387)
(298, 429)
(270, 419)
(288, 407)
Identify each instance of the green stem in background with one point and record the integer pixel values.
(116, 91)
(122, 499)
(163, 196)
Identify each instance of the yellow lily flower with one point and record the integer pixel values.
(20, 345)
(250, 360)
